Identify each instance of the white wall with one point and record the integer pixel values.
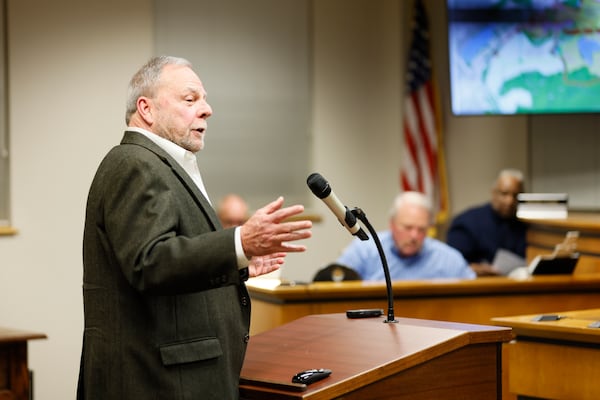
(568, 158)
(357, 93)
(69, 62)
(253, 59)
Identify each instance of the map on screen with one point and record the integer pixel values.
(524, 57)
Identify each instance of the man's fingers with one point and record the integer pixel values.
(266, 232)
(293, 248)
(284, 213)
(294, 235)
(296, 226)
(260, 265)
(273, 206)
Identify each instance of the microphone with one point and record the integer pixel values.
(320, 187)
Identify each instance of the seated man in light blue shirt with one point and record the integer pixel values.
(410, 254)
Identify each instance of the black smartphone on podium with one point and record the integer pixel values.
(365, 313)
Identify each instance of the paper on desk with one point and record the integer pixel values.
(505, 261)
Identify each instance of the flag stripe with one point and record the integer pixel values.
(423, 156)
(428, 131)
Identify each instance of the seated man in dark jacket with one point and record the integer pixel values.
(479, 232)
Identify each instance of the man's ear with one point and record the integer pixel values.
(144, 107)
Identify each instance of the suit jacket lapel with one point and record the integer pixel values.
(139, 139)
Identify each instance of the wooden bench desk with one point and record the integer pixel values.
(471, 301)
(544, 234)
(14, 371)
(554, 359)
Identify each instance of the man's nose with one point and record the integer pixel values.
(205, 110)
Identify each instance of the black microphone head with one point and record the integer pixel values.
(318, 185)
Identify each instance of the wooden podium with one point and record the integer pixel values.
(369, 358)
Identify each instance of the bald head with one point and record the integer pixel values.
(507, 186)
(232, 211)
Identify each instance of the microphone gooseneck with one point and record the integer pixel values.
(386, 269)
(348, 218)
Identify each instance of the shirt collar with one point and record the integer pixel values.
(185, 158)
(181, 155)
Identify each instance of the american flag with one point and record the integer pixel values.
(423, 168)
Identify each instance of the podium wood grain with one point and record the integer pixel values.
(411, 359)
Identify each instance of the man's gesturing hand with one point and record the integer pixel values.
(265, 232)
(260, 265)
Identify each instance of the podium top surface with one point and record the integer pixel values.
(577, 326)
(358, 351)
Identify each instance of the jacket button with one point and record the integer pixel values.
(244, 301)
(246, 338)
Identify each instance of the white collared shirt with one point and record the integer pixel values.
(184, 157)
(188, 162)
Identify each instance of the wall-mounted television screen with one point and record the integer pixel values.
(524, 56)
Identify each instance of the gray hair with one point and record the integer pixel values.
(512, 173)
(145, 80)
(411, 198)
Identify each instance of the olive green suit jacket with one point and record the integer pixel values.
(166, 309)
